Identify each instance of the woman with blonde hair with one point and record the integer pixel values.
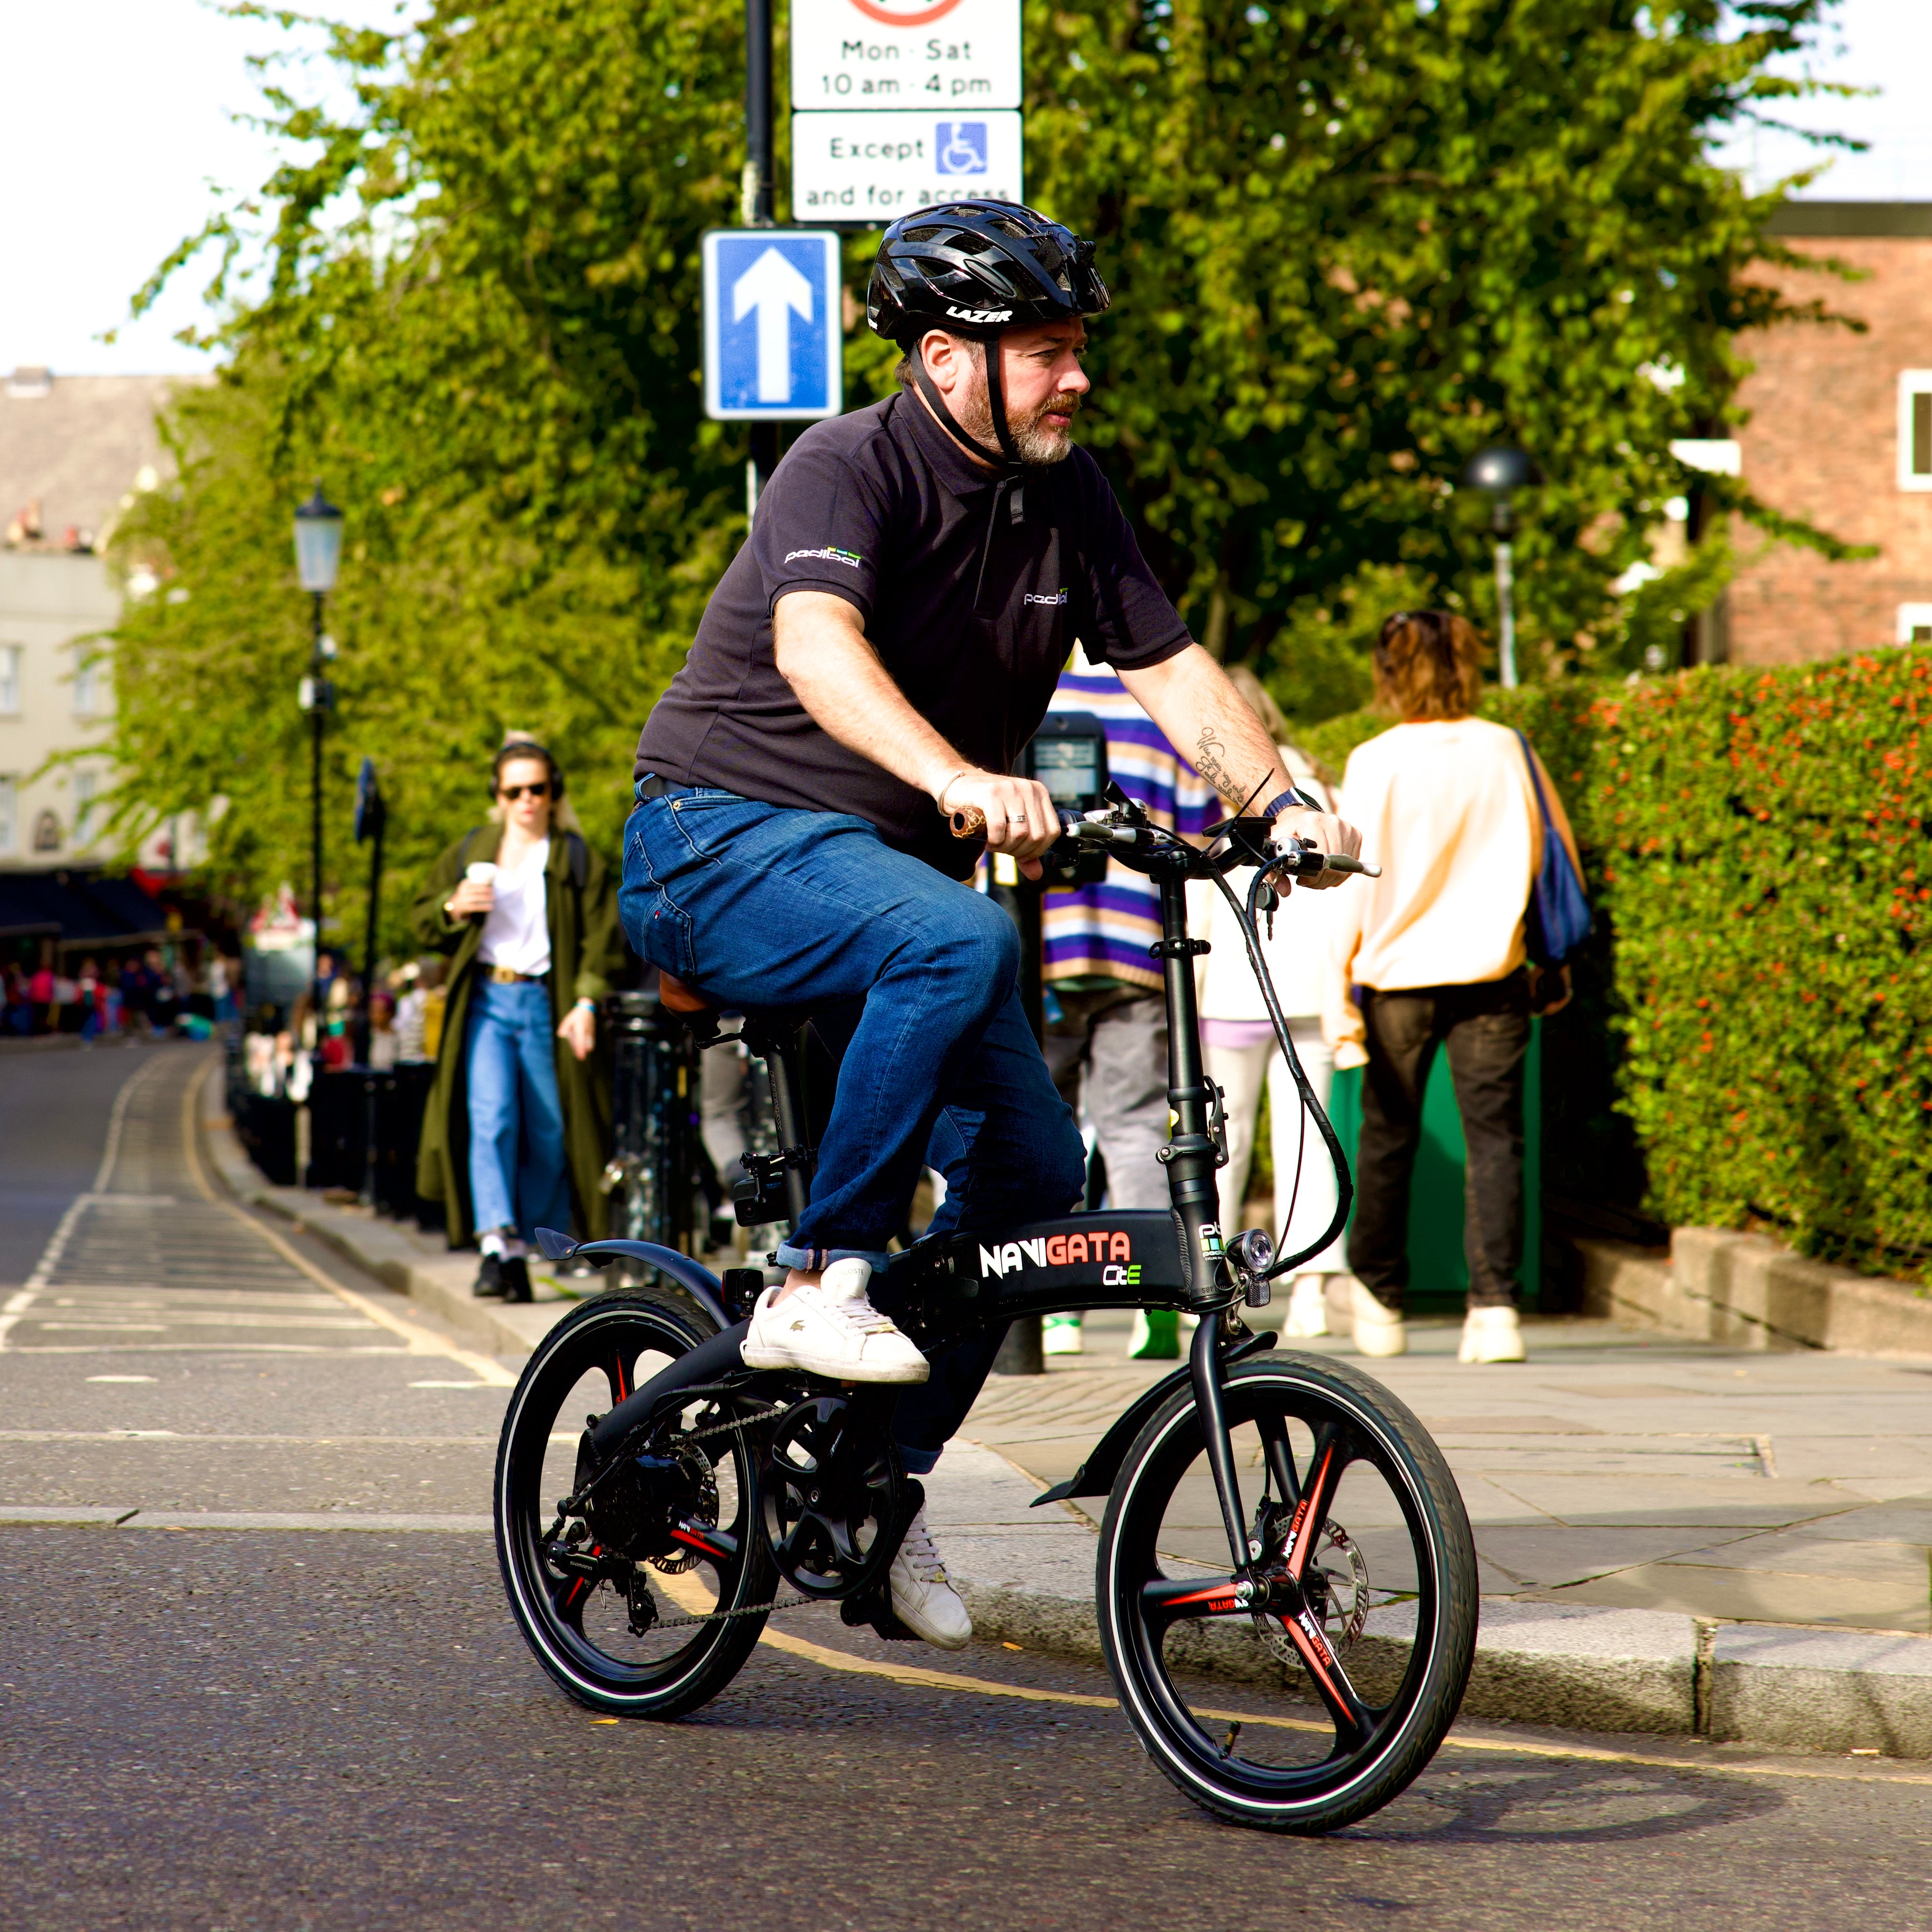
(517, 1129)
(1448, 805)
(1238, 1043)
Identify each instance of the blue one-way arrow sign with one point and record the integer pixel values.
(773, 326)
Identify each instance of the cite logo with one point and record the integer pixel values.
(1058, 1251)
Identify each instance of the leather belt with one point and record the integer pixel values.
(502, 975)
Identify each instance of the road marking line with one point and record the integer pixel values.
(18, 1305)
(691, 1597)
(420, 1340)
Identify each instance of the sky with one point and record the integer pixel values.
(118, 135)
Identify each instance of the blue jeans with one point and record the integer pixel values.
(517, 1174)
(762, 906)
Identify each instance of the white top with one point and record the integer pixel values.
(516, 930)
(1448, 810)
(1300, 956)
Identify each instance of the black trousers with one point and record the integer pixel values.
(1486, 1031)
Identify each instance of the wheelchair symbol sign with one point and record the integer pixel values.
(959, 147)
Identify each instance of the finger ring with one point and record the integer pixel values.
(1015, 818)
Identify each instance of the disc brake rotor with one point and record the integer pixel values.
(1336, 1586)
(704, 1480)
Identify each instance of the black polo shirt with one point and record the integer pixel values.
(973, 601)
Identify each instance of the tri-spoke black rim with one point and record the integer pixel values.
(1150, 1602)
(613, 1346)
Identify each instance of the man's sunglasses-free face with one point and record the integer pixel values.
(510, 793)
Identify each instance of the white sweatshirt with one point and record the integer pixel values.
(1447, 809)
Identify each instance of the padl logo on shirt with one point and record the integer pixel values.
(1041, 597)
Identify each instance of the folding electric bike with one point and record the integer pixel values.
(1274, 1514)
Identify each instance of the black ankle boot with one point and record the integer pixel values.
(516, 1278)
(490, 1281)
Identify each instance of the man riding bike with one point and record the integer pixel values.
(869, 667)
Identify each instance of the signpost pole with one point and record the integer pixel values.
(758, 210)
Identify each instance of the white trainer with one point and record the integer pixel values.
(1059, 1335)
(923, 1600)
(831, 1330)
(1379, 1331)
(1492, 1335)
(1307, 1306)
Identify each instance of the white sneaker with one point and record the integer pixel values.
(1059, 1335)
(1307, 1306)
(922, 1599)
(831, 1330)
(1379, 1331)
(1492, 1335)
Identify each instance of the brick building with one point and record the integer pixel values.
(1840, 433)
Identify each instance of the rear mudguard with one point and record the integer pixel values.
(697, 1280)
(1095, 1477)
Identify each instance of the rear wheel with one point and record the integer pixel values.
(601, 1595)
(1368, 1615)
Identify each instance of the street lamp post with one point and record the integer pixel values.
(318, 558)
(1499, 473)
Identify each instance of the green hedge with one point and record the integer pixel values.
(1757, 1005)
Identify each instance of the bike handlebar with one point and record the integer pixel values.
(1302, 861)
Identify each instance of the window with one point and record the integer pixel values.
(86, 681)
(10, 680)
(1914, 430)
(86, 785)
(9, 813)
(47, 832)
(1915, 623)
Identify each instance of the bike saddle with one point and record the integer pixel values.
(681, 998)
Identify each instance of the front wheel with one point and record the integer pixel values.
(619, 1598)
(1362, 1606)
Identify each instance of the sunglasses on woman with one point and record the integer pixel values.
(512, 792)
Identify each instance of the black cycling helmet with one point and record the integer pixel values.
(974, 268)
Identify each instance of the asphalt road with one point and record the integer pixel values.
(250, 1726)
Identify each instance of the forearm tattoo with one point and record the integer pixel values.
(1209, 753)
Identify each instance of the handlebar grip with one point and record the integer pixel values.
(1340, 862)
(966, 824)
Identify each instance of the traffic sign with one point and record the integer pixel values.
(773, 324)
(874, 167)
(886, 54)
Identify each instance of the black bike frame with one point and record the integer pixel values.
(956, 1284)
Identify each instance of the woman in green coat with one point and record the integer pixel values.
(518, 1128)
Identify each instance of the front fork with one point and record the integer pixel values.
(1191, 1157)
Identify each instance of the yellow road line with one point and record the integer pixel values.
(691, 1596)
(422, 1341)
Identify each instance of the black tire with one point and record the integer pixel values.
(583, 1637)
(1169, 1653)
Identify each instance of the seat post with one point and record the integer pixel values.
(779, 1048)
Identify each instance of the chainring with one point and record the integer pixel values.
(1337, 1584)
(832, 1487)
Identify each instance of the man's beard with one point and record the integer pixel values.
(1035, 443)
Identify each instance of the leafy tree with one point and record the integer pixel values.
(1352, 241)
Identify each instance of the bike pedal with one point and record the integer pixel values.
(875, 1608)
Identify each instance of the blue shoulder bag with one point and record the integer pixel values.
(1557, 919)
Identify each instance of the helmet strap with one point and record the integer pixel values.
(996, 401)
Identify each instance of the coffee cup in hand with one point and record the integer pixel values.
(480, 872)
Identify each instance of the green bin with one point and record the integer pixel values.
(1438, 1273)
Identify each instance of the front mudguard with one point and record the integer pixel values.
(1095, 1477)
